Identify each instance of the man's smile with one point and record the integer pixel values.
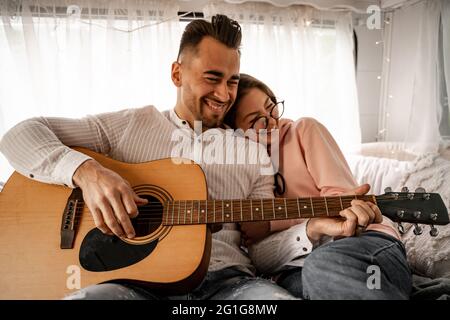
(215, 106)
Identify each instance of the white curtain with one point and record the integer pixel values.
(306, 57)
(413, 104)
(97, 56)
(354, 5)
(58, 60)
(445, 18)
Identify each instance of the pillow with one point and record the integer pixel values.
(378, 172)
(388, 149)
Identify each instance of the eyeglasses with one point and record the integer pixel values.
(275, 112)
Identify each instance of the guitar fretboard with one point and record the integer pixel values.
(185, 212)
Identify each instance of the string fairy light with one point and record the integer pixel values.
(74, 14)
(74, 11)
(383, 77)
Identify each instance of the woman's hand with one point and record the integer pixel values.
(253, 232)
(355, 220)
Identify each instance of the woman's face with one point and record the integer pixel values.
(251, 110)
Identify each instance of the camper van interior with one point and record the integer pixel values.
(374, 74)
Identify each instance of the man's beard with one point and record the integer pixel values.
(213, 121)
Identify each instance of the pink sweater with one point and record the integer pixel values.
(313, 165)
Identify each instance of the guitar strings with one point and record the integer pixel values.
(292, 201)
(158, 207)
(184, 220)
(152, 208)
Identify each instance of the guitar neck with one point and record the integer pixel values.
(188, 212)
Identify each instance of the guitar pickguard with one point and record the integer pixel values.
(100, 252)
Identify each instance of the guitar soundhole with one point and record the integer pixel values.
(149, 218)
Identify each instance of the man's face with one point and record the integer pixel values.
(207, 81)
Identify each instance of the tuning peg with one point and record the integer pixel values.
(417, 229)
(433, 231)
(388, 189)
(400, 228)
(400, 213)
(405, 189)
(420, 190)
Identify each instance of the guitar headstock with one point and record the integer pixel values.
(414, 207)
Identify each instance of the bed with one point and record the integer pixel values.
(384, 164)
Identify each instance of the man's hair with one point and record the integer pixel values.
(246, 83)
(221, 28)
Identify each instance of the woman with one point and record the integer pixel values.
(310, 164)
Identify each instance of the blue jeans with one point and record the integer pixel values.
(371, 266)
(226, 284)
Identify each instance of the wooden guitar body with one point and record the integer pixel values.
(34, 266)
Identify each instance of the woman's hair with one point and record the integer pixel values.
(246, 83)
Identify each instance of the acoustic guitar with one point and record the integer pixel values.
(50, 247)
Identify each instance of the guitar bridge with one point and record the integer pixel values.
(68, 224)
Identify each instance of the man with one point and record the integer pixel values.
(206, 75)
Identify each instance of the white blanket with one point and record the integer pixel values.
(427, 256)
